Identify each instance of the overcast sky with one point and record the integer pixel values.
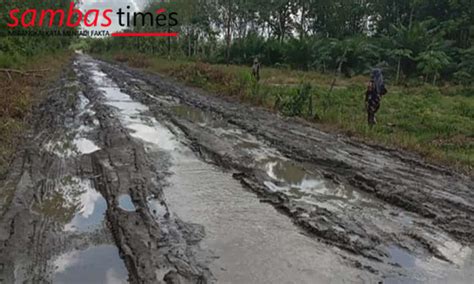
(135, 5)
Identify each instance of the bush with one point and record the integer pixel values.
(299, 101)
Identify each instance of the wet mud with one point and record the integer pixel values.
(148, 181)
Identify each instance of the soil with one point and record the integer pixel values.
(131, 176)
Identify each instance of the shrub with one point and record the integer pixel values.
(298, 101)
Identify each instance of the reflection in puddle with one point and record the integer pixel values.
(68, 148)
(85, 146)
(62, 149)
(154, 135)
(91, 209)
(84, 105)
(285, 171)
(132, 115)
(74, 141)
(455, 252)
(125, 203)
(298, 183)
(72, 202)
(98, 264)
(191, 114)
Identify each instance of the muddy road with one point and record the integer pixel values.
(126, 176)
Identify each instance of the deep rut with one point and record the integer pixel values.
(148, 181)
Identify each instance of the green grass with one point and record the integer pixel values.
(435, 122)
(18, 95)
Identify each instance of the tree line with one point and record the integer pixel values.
(417, 39)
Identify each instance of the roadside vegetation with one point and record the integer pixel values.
(436, 122)
(19, 93)
(27, 66)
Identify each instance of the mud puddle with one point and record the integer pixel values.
(250, 241)
(75, 140)
(253, 242)
(77, 202)
(192, 114)
(97, 264)
(72, 199)
(302, 185)
(54, 229)
(125, 203)
(306, 187)
(359, 215)
(406, 246)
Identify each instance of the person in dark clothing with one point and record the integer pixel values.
(256, 69)
(375, 91)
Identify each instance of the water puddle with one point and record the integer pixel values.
(439, 271)
(153, 135)
(192, 114)
(62, 149)
(401, 257)
(91, 207)
(97, 264)
(285, 171)
(254, 243)
(75, 142)
(71, 148)
(85, 146)
(293, 178)
(133, 115)
(304, 186)
(74, 203)
(125, 203)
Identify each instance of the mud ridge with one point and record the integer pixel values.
(32, 217)
(123, 169)
(395, 177)
(75, 148)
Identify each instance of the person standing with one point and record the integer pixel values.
(256, 69)
(375, 91)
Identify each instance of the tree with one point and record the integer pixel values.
(465, 67)
(431, 62)
(400, 54)
(315, 34)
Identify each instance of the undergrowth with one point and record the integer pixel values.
(18, 93)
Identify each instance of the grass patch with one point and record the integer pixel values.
(434, 122)
(17, 96)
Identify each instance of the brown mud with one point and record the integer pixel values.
(149, 181)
